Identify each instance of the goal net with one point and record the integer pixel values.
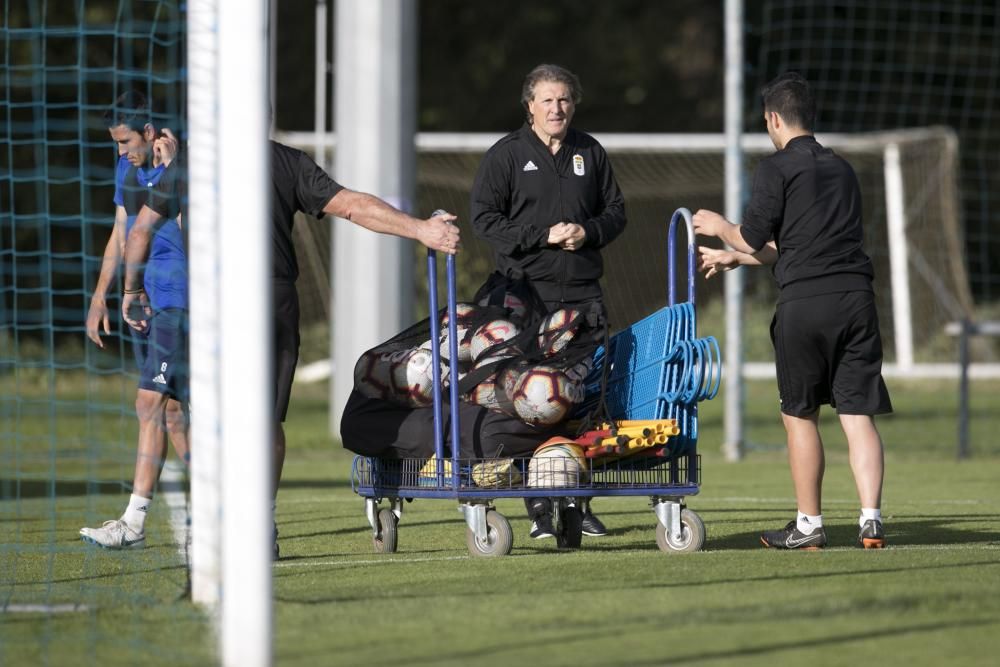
(68, 429)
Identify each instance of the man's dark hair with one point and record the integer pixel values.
(550, 73)
(789, 95)
(130, 109)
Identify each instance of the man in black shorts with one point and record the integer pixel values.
(804, 216)
(299, 184)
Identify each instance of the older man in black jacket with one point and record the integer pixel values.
(546, 200)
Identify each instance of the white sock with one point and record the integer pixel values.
(807, 523)
(868, 514)
(135, 513)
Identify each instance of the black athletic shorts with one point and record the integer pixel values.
(286, 344)
(828, 349)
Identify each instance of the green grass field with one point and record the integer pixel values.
(933, 597)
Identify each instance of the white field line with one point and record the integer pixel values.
(989, 546)
(377, 561)
(66, 608)
(172, 492)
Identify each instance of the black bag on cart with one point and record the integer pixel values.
(390, 415)
(379, 428)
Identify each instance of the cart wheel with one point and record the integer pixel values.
(386, 543)
(570, 528)
(692, 534)
(499, 537)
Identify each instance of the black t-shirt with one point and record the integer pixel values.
(297, 184)
(807, 199)
(169, 196)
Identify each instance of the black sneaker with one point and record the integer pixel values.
(790, 538)
(592, 526)
(276, 553)
(871, 535)
(541, 527)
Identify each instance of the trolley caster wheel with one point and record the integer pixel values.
(692, 534)
(386, 540)
(499, 537)
(570, 533)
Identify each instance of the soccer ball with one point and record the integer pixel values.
(557, 330)
(544, 395)
(491, 392)
(465, 314)
(514, 305)
(464, 344)
(580, 371)
(485, 394)
(413, 377)
(373, 375)
(464, 349)
(492, 333)
(556, 465)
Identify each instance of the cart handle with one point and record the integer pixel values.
(671, 269)
(436, 360)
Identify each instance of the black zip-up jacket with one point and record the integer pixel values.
(522, 189)
(807, 198)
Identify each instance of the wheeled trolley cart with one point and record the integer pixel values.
(646, 381)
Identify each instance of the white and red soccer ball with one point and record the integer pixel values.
(514, 305)
(413, 377)
(557, 465)
(543, 395)
(495, 391)
(558, 330)
(465, 313)
(490, 334)
(373, 375)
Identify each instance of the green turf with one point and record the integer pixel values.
(934, 597)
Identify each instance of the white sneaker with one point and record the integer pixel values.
(114, 534)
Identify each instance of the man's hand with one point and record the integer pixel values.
(165, 148)
(567, 235)
(709, 223)
(438, 233)
(715, 260)
(96, 317)
(136, 310)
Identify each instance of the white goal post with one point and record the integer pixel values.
(228, 219)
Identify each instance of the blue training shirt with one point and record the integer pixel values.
(166, 278)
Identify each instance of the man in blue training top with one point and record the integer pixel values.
(161, 344)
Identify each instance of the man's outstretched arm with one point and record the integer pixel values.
(436, 233)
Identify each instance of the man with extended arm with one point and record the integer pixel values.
(804, 217)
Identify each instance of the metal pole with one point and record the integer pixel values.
(319, 101)
(733, 445)
(375, 105)
(963, 389)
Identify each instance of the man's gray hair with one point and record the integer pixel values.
(553, 73)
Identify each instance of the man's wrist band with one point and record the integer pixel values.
(134, 291)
